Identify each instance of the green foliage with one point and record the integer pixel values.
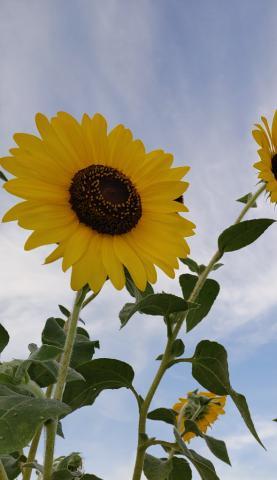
(242, 234)
(217, 447)
(156, 304)
(205, 298)
(245, 199)
(134, 291)
(166, 415)
(99, 375)
(203, 466)
(4, 338)
(191, 264)
(12, 463)
(156, 468)
(3, 176)
(210, 369)
(180, 469)
(21, 416)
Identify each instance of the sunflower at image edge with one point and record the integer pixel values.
(202, 407)
(104, 201)
(267, 140)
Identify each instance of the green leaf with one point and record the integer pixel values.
(217, 266)
(191, 264)
(63, 475)
(203, 466)
(156, 468)
(60, 430)
(64, 311)
(99, 374)
(178, 348)
(46, 373)
(217, 447)
(12, 464)
(41, 355)
(242, 234)
(166, 415)
(180, 469)
(3, 176)
(245, 199)
(90, 476)
(20, 417)
(210, 369)
(134, 291)
(4, 338)
(157, 304)
(205, 298)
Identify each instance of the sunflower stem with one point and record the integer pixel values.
(51, 427)
(141, 449)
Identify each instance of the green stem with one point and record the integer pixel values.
(51, 427)
(141, 449)
(3, 474)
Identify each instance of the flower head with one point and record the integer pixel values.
(106, 203)
(267, 140)
(201, 407)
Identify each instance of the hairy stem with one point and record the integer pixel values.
(51, 427)
(141, 449)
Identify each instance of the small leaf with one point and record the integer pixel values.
(3, 176)
(12, 464)
(203, 466)
(242, 234)
(64, 311)
(60, 430)
(191, 264)
(217, 266)
(180, 469)
(178, 348)
(157, 304)
(20, 417)
(245, 199)
(166, 415)
(156, 468)
(99, 374)
(205, 298)
(4, 338)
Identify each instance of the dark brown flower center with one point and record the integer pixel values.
(105, 199)
(274, 165)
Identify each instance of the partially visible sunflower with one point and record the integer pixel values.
(201, 407)
(267, 140)
(104, 201)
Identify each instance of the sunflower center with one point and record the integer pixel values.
(274, 165)
(105, 199)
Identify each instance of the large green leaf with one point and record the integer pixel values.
(156, 468)
(166, 415)
(180, 469)
(210, 369)
(99, 374)
(156, 304)
(217, 447)
(203, 466)
(46, 373)
(20, 417)
(4, 338)
(242, 234)
(205, 298)
(39, 356)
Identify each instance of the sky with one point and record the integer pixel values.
(190, 77)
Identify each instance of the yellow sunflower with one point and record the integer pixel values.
(201, 407)
(104, 201)
(267, 140)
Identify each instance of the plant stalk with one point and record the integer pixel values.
(141, 449)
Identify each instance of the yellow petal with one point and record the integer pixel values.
(76, 246)
(95, 130)
(55, 255)
(113, 266)
(44, 237)
(37, 190)
(132, 262)
(98, 274)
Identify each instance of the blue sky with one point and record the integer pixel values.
(191, 77)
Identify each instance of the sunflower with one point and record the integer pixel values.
(201, 407)
(267, 140)
(106, 203)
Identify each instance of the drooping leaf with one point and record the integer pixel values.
(4, 338)
(203, 466)
(156, 468)
(217, 447)
(245, 199)
(99, 374)
(11, 463)
(60, 429)
(166, 415)
(205, 298)
(210, 369)
(157, 304)
(242, 234)
(180, 469)
(217, 266)
(64, 311)
(191, 264)
(21, 416)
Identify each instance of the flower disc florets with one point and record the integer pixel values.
(105, 199)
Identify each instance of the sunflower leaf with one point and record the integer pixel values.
(12, 463)
(20, 417)
(180, 469)
(166, 415)
(242, 234)
(4, 338)
(217, 447)
(245, 199)
(156, 304)
(64, 311)
(203, 466)
(156, 468)
(210, 369)
(100, 374)
(191, 264)
(205, 298)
